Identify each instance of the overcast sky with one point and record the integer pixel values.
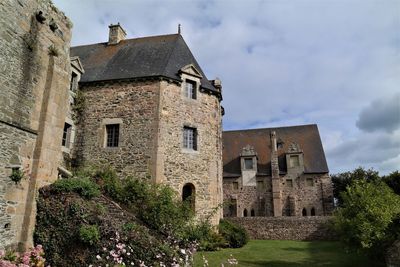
(335, 63)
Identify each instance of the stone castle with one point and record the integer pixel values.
(145, 107)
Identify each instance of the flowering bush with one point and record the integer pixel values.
(34, 257)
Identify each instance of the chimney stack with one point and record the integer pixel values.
(117, 34)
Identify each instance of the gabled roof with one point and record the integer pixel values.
(154, 56)
(306, 136)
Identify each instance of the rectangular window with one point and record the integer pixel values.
(190, 89)
(235, 185)
(190, 138)
(294, 161)
(248, 164)
(74, 82)
(66, 139)
(289, 183)
(310, 182)
(112, 131)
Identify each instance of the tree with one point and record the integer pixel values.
(342, 180)
(393, 181)
(366, 220)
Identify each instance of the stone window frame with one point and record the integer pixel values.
(307, 182)
(235, 185)
(103, 133)
(260, 185)
(196, 139)
(289, 183)
(245, 165)
(71, 139)
(196, 81)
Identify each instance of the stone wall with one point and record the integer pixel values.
(152, 115)
(133, 105)
(287, 228)
(34, 78)
(177, 166)
(294, 198)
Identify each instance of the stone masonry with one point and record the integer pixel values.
(34, 78)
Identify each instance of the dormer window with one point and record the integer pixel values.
(294, 161)
(248, 164)
(190, 89)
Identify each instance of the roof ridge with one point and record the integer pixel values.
(130, 39)
(268, 128)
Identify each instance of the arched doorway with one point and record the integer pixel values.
(304, 212)
(245, 213)
(189, 194)
(252, 213)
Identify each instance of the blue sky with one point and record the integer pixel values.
(335, 63)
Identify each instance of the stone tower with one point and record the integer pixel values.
(151, 112)
(34, 58)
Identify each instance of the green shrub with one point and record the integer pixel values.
(365, 221)
(83, 186)
(89, 234)
(235, 235)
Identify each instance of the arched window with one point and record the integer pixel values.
(252, 213)
(188, 194)
(313, 212)
(245, 213)
(304, 212)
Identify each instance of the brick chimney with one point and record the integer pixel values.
(117, 34)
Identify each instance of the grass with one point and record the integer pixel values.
(282, 253)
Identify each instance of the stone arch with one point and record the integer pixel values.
(189, 194)
(312, 211)
(245, 213)
(252, 213)
(304, 212)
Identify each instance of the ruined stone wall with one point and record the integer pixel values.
(34, 84)
(177, 166)
(287, 228)
(133, 105)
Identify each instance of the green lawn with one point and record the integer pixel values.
(280, 253)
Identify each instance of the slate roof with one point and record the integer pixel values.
(145, 57)
(307, 136)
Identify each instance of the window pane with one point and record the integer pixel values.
(309, 182)
(190, 89)
(112, 135)
(66, 135)
(248, 164)
(289, 183)
(235, 185)
(189, 138)
(294, 161)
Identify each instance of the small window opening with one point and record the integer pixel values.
(304, 212)
(248, 164)
(289, 183)
(310, 182)
(245, 213)
(190, 89)
(66, 139)
(74, 82)
(235, 185)
(260, 185)
(252, 213)
(294, 161)
(190, 138)
(112, 135)
(312, 212)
